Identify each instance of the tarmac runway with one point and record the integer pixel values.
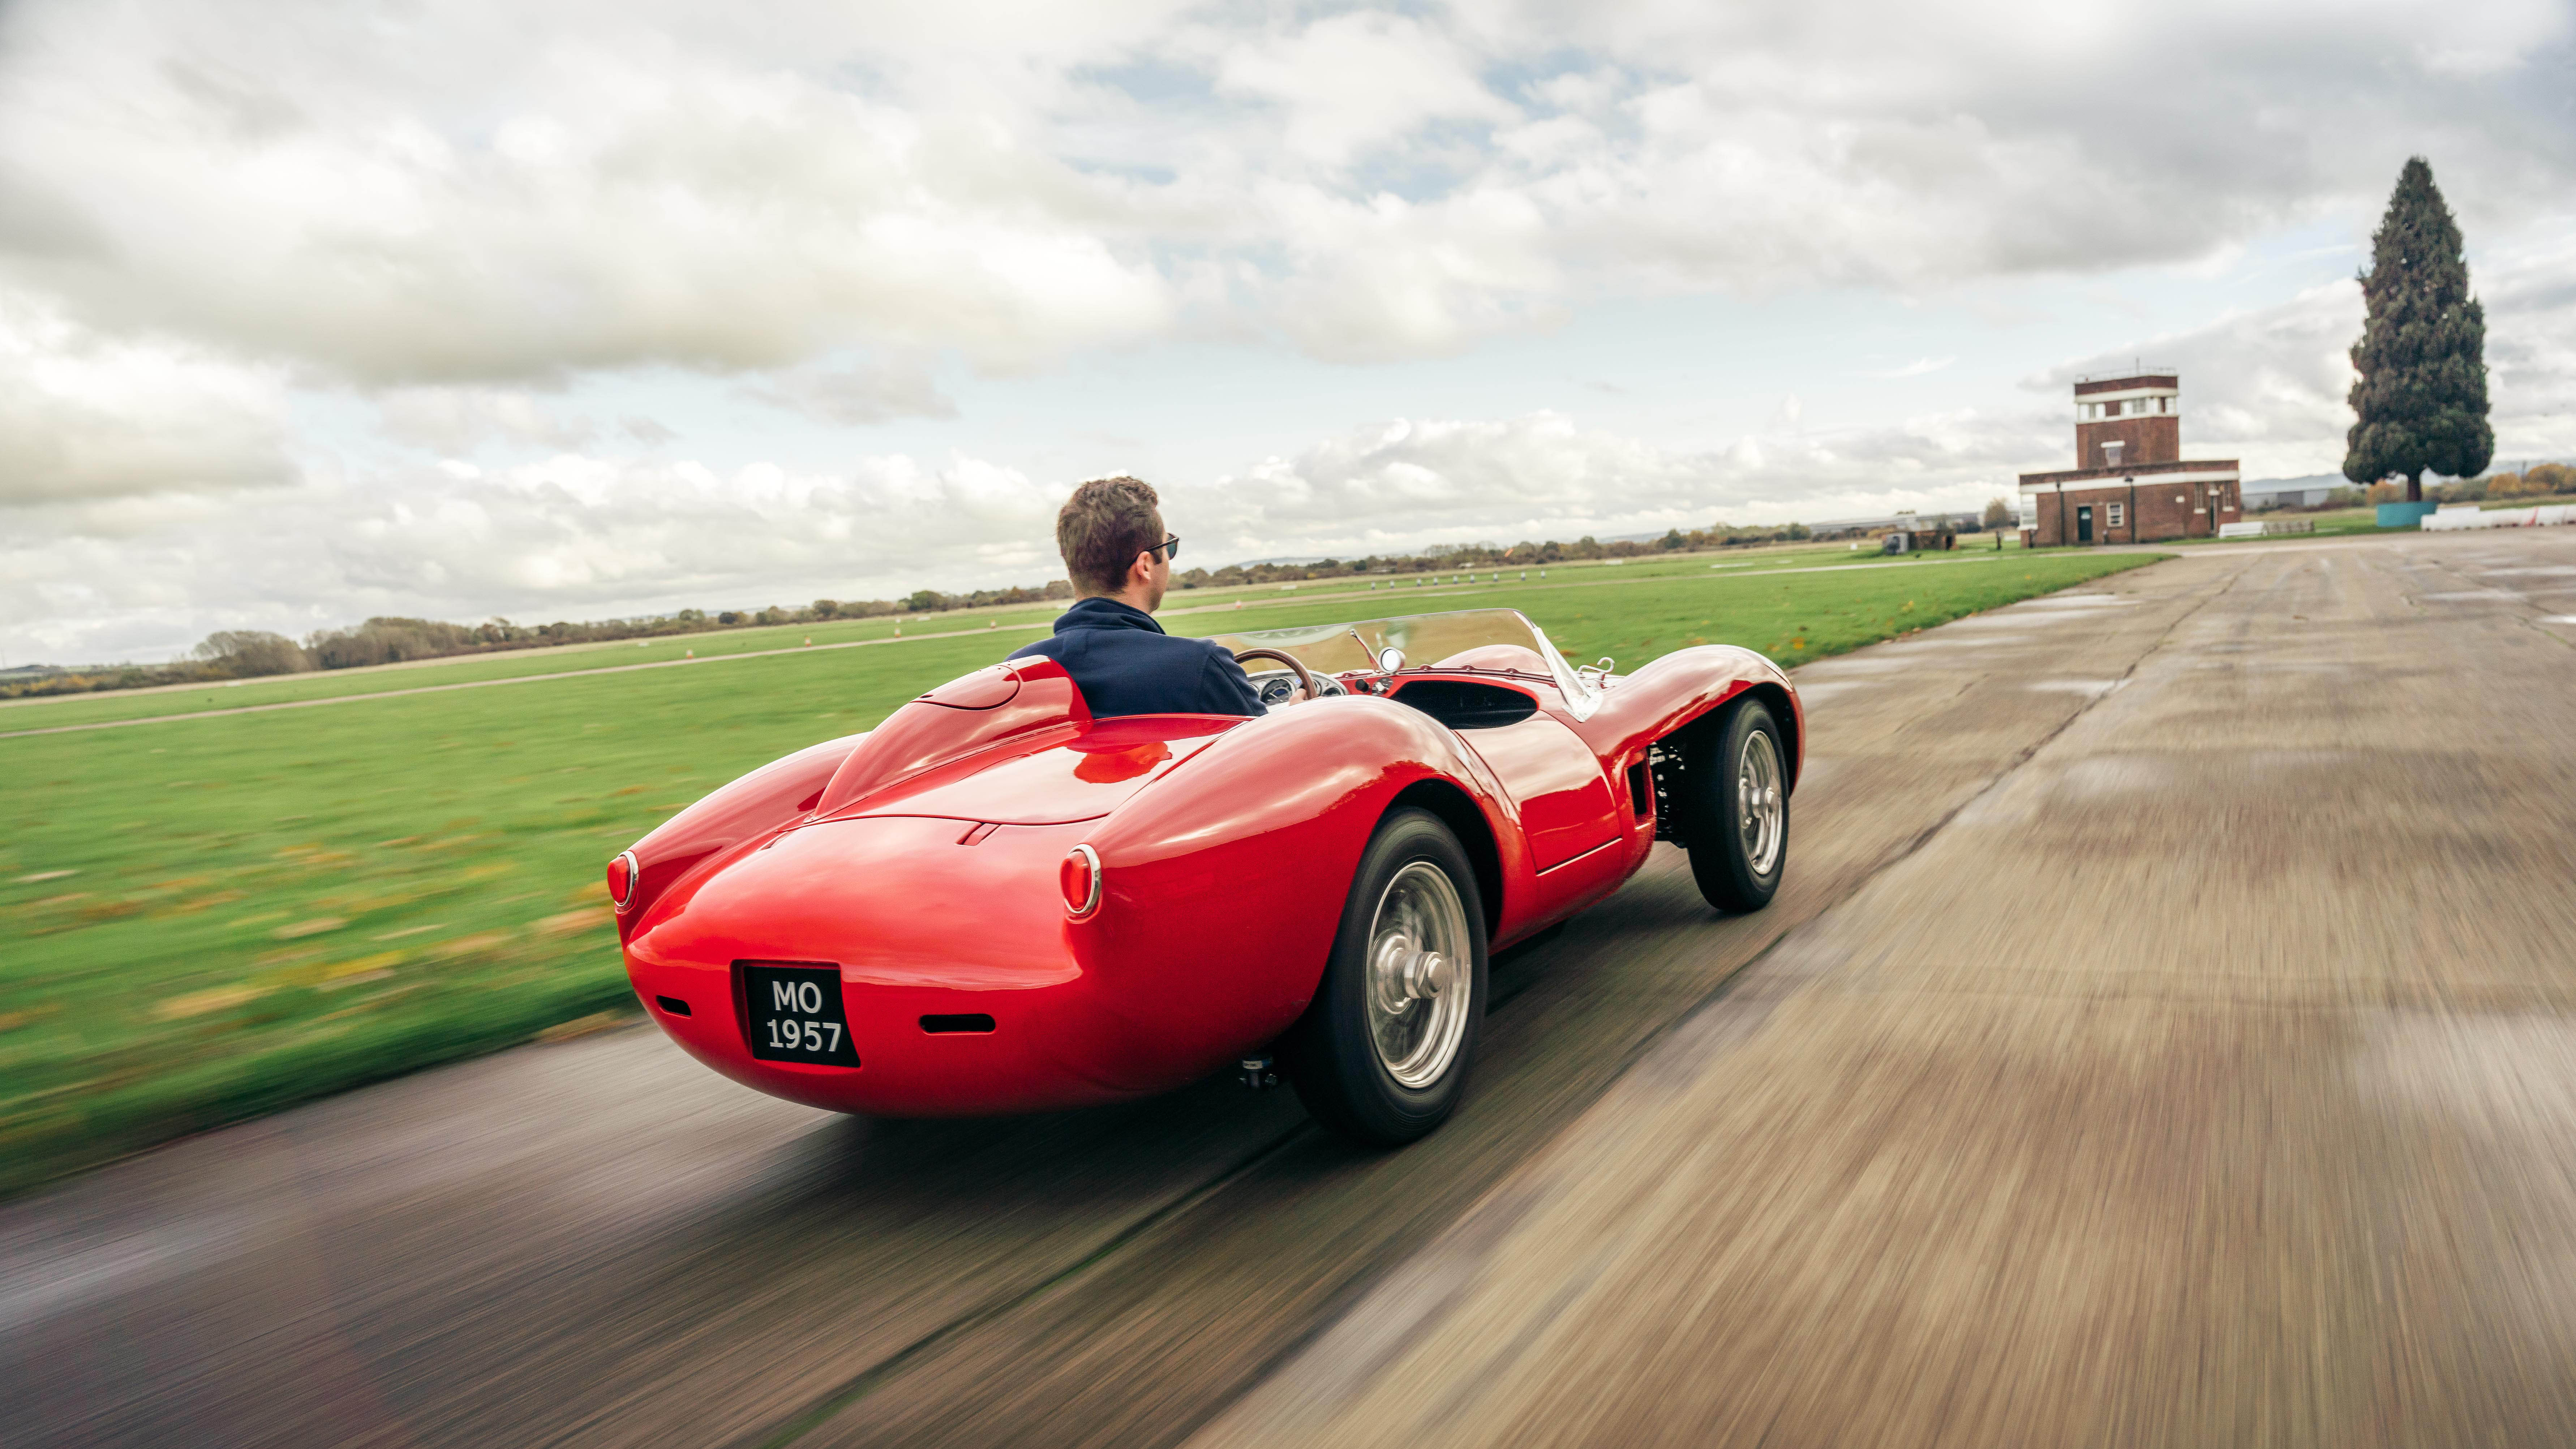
(2164, 1036)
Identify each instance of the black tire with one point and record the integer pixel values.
(1721, 859)
(1332, 1054)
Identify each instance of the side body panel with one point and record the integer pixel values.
(1555, 781)
(1685, 685)
(1669, 694)
(1224, 885)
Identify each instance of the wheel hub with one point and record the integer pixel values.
(1418, 1000)
(1406, 973)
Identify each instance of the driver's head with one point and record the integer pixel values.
(1111, 532)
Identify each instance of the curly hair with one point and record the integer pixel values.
(1104, 525)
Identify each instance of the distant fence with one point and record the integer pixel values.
(2450, 520)
(2267, 527)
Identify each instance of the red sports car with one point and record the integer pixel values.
(994, 903)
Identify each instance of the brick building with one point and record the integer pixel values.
(2130, 483)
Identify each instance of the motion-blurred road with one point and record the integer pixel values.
(2163, 1037)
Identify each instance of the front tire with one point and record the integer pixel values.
(1382, 1053)
(1738, 827)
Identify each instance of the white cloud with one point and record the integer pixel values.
(573, 536)
(571, 256)
(581, 536)
(459, 419)
(89, 416)
(1357, 81)
(1388, 279)
(1404, 483)
(2269, 385)
(2529, 293)
(487, 193)
(448, 201)
(1917, 368)
(860, 393)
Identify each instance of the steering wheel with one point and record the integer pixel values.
(1305, 677)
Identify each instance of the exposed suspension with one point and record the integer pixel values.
(1669, 764)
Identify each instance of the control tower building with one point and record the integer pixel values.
(2130, 482)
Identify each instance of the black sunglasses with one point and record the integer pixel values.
(1169, 548)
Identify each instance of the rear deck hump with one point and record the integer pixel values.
(1005, 703)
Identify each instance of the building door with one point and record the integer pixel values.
(2084, 523)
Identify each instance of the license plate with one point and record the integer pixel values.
(797, 1016)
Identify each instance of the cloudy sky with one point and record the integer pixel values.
(561, 310)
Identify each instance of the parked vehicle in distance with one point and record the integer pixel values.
(994, 903)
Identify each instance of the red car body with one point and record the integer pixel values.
(924, 863)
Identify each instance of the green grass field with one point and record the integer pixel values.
(211, 918)
(1028, 620)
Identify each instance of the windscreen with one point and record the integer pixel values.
(1467, 638)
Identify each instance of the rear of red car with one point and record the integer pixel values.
(897, 964)
(999, 905)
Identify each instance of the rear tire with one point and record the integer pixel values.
(1738, 825)
(1382, 1053)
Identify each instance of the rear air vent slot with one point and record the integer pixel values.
(967, 1021)
(1465, 705)
(672, 1004)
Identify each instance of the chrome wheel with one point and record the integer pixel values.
(1760, 810)
(1733, 807)
(1421, 973)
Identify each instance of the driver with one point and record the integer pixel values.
(1120, 561)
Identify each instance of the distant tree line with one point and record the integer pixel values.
(2541, 480)
(249, 653)
(2545, 480)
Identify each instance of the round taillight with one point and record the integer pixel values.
(621, 879)
(1080, 878)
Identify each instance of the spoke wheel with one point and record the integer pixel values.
(1736, 809)
(1762, 812)
(1383, 1049)
(1417, 1014)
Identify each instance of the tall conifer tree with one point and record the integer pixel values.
(2421, 399)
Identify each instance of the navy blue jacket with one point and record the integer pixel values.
(1124, 663)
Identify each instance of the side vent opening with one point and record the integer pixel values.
(1464, 704)
(672, 1004)
(964, 1021)
(1641, 790)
